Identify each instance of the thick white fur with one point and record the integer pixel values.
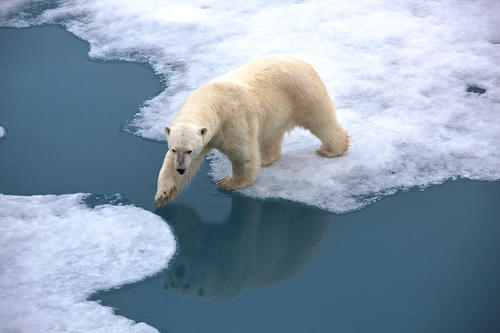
(245, 114)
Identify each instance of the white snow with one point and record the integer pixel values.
(11, 6)
(398, 72)
(55, 251)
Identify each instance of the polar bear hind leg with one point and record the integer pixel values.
(322, 123)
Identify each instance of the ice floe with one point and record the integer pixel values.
(400, 74)
(55, 251)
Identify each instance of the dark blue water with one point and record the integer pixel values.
(421, 261)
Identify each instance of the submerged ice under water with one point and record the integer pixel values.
(56, 251)
(398, 72)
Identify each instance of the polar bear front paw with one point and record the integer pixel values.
(228, 183)
(164, 195)
(326, 153)
(334, 151)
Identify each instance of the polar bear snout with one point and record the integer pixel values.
(182, 161)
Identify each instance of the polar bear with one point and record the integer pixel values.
(244, 114)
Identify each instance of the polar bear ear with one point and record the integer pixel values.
(167, 130)
(203, 130)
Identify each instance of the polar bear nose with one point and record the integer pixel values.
(181, 171)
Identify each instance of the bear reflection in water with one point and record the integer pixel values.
(260, 244)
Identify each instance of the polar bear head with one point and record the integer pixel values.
(185, 141)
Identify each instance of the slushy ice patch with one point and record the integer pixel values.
(475, 89)
(397, 72)
(56, 251)
(94, 200)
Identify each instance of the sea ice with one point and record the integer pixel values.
(399, 73)
(55, 251)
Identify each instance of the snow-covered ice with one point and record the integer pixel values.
(398, 73)
(55, 251)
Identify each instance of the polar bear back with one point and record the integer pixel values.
(282, 87)
(271, 94)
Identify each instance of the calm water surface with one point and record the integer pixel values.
(421, 261)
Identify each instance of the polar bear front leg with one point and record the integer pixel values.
(168, 181)
(245, 169)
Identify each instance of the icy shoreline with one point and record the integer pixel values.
(398, 74)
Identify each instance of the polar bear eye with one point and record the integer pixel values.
(173, 150)
(189, 151)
